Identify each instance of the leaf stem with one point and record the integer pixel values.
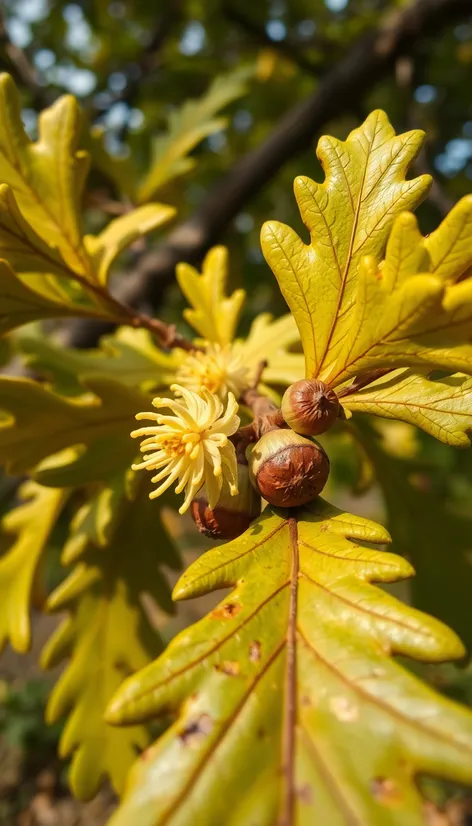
(362, 381)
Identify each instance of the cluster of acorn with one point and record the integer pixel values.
(286, 467)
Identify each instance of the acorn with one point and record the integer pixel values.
(310, 407)
(232, 514)
(287, 469)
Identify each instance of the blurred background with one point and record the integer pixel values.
(250, 87)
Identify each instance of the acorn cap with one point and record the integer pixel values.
(288, 470)
(310, 407)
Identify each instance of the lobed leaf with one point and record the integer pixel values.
(122, 232)
(349, 216)
(188, 126)
(128, 355)
(289, 706)
(213, 314)
(47, 177)
(440, 406)
(108, 634)
(24, 533)
(272, 339)
(427, 527)
(416, 309)
(39, 423)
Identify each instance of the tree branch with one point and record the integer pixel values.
(286, 47)
(364, 65)
(19, 66)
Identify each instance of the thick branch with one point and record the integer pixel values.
(364, 65)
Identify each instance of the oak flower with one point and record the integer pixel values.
(220, 369)
(192, 446)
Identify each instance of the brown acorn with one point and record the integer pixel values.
(310, 407)
(232, 514)
(287, 469)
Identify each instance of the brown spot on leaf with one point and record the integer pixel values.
(226, 611)
(255, 651)
(230, 667)
(196, 730)
(386, 791)
(260, 733)
(305, 794)
(305, 701)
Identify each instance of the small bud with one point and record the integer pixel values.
(287, 469)
(310, 407)
(232, 514)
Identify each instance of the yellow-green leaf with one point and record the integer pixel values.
(289, 706)
(24, 299)
(106, 637)
(440, 406)
(123, 231)
(416, 308)
(213, 314)
(427, 525)
(271, 340)
(24, 533)
(349, 216)
(24, 250)
(129, 355)
(188, 126)
(38, 423)
(46, 177)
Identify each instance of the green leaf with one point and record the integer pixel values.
(47, 177)
(440, 406)
(122, 232)
(129, 355)
(108, 634)
(349, 216)
(289, 705)
(214, 315)
(428, 528)
(40, 423)
(24, 533)
(188, 126)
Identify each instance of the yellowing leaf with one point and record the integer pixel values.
(39, 423)
(47, 177)
(441, 407)
(289, 705)
(25, 532)
(188, 126)
(403, 318)
(122, 232)
(349, 216)
(214, 315)
(106, 637)
(20, 245)
(20, 303)
(129, 355)
(427, 526)
(270, 340)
